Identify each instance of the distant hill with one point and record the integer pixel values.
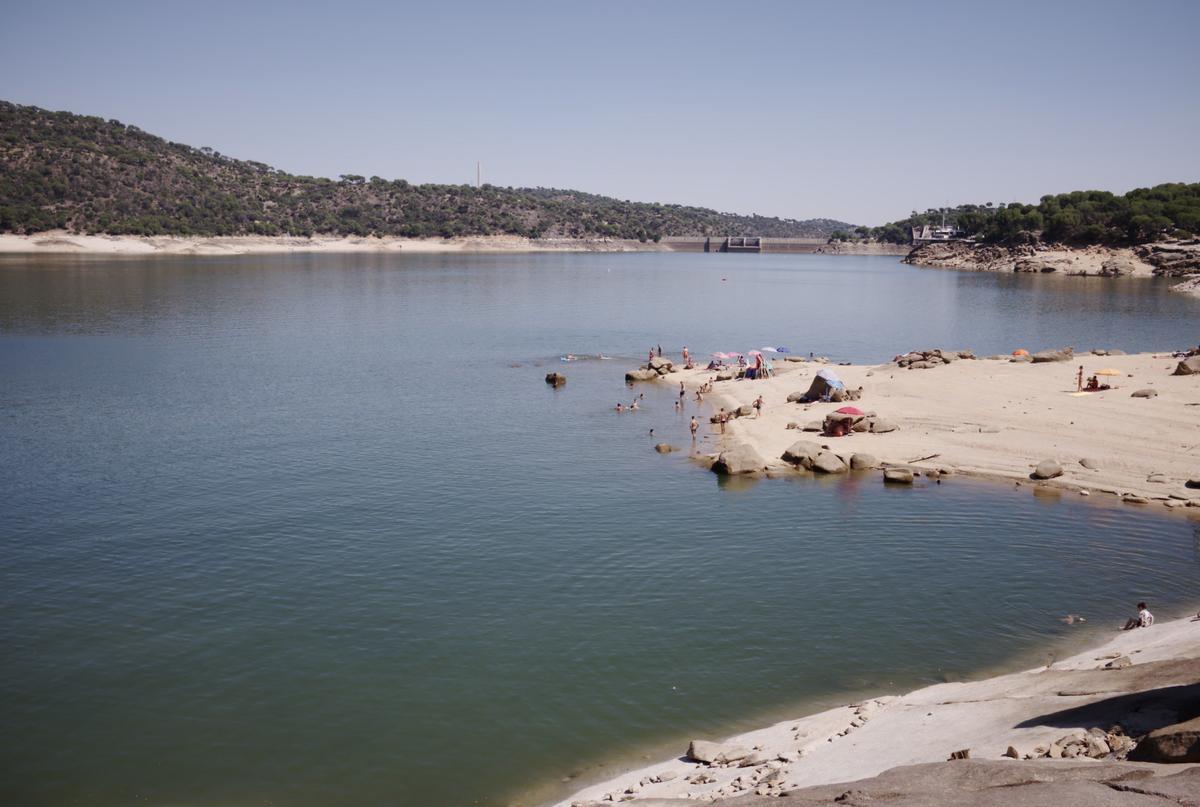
(86, 174)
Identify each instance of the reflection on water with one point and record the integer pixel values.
(296, 529)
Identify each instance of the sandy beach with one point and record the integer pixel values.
(996, 419)
(60, 242)
(1025, 711)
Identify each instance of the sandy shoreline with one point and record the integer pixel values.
(1024, 710)
(992, 418)
(64, 243)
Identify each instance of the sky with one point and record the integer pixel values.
(859, 111)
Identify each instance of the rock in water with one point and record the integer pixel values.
(862, 462)
(898, 476)
(1177, 743)
(640, 375)
(826, 462)
(1189, 366)
(556, 379)
(741, 459)
(664, 448)
(1047, 469)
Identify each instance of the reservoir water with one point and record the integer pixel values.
(311, 530)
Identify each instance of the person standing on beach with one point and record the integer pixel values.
(695, 424)
(660, 351)
(681, 391)
(1144, 618)
(650, 357)
(758, 405)
(687, 359)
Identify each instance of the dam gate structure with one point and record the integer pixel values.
(740, 243)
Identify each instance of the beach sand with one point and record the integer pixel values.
(1023, 710)
(61, 242)
(997, 419)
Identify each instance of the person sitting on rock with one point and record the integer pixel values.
(1144, 618)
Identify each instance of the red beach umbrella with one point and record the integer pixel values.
(849, 410)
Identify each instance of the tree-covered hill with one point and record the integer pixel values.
(1078, 218)
(87, 174)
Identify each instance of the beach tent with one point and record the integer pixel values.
(831, 378)
(825, 384)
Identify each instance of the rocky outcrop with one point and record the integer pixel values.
(1000, 783)
(1172, 258)
(640, 375)
(1173, 744)
(1066, 354)
(741, 459)
(925, 359)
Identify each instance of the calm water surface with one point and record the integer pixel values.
(311, 530)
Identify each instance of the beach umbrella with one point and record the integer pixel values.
(769, 349)
(1108, 371)
(782, 349)
(849, 410)
(1020, 352)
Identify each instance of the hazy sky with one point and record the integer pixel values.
(857, 111)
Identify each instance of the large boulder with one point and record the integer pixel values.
(826, 462)
(741, 459)
(1144, 393)
(898, 476)
(661, 365)
(1189, 366)
(745, 410)
(1177, 743)
(640, 375)
(715, 753)
(880, 426)
(1047, 469)
(1066, 354)
(801, 452)
(797, 396)
(862, 462)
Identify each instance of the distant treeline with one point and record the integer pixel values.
(1080, 218)
(87, 174)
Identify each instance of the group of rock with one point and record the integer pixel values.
(1095, 743)
(925, 359)
(766, 778)
(656, 367)
(1175, 259)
